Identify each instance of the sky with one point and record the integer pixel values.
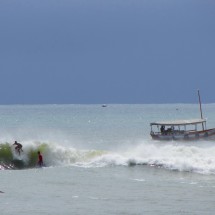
(107, 51)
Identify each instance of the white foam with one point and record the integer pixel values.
(196, 157)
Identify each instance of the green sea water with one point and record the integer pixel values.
(11, 159)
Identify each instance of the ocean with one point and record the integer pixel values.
(102, 160)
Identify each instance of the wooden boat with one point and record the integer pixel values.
(191, 129)
(181, 130)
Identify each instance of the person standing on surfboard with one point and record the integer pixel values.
(18, 147)
(40, 159)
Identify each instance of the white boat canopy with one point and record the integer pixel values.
(180, 122)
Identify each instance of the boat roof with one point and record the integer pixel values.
(180, 122)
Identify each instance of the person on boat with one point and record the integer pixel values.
(40, 159)
(18, 147)
(162, 129)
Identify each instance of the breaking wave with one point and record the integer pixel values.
(53, 155)
(190, 157)
(197, 157)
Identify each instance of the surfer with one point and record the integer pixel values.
(18, 147)
(40, 159)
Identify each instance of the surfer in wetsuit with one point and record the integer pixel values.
(40, 159)
(18, 147)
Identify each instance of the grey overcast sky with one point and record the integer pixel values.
(107, 51)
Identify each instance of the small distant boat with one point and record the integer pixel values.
(104, 105)
(191, 129)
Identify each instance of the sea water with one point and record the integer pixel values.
(102, 160)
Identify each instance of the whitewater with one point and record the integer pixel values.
(102, 160)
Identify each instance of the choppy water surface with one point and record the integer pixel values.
(101, 160)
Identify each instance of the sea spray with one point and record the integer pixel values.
(64, 156)
(53, 155)
(10, 159)
(193, 157)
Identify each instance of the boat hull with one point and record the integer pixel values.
(192, 135)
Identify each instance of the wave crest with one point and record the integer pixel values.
(199, 158)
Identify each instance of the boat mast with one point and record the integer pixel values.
(200, 106)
